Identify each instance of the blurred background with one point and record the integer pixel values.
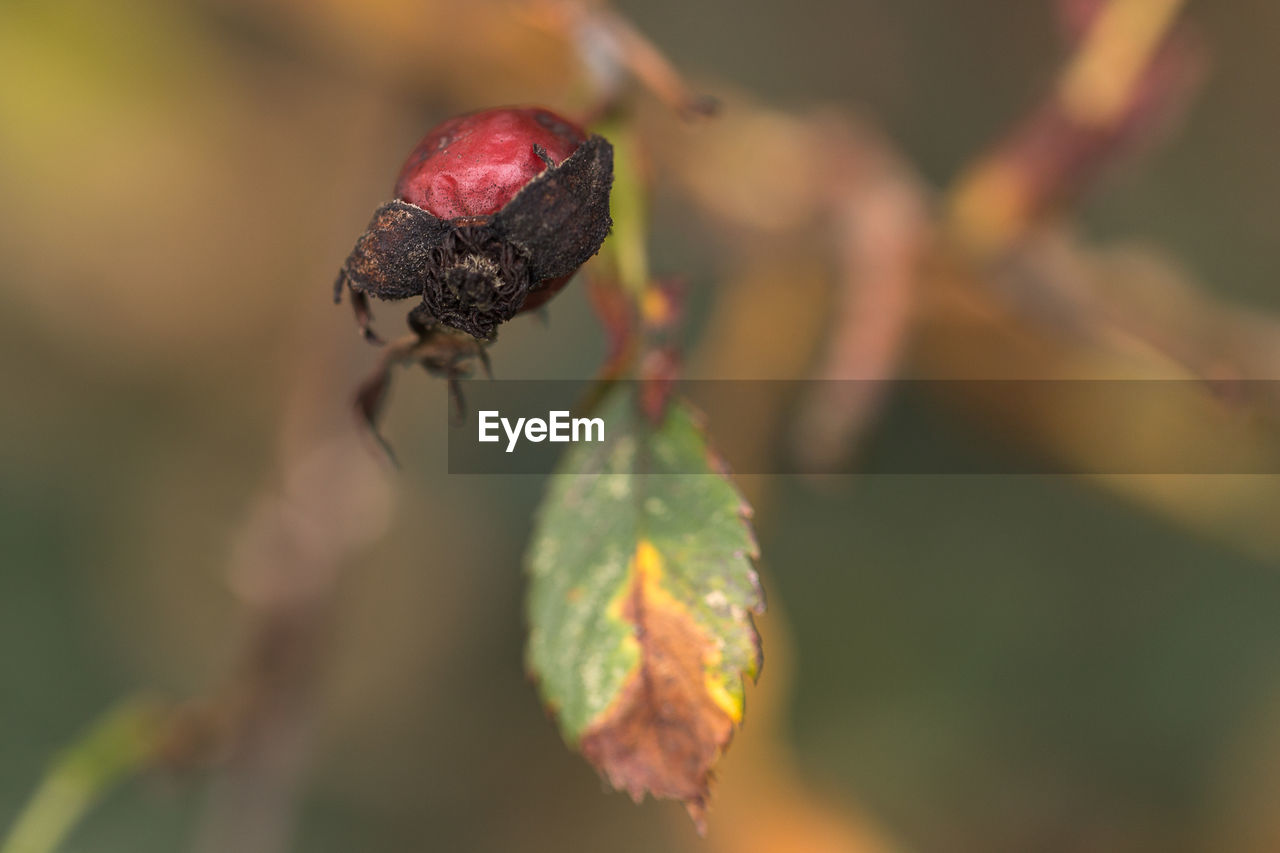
(952, 663)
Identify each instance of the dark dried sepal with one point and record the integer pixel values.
(391, 256)
(561, 218)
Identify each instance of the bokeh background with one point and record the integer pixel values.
(953, 664)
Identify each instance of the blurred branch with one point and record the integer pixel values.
(1004, 292)
(285, 569)
(611, 48)
(122, 742)
(879, 211)
(1132, 68)
(1098, 86)
(254, 729)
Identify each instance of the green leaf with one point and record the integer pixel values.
(640, 601)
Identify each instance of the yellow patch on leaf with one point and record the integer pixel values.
(671, 720)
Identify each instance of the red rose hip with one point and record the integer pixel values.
(494, 211)
(473, 165)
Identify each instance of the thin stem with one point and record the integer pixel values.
(121, 742)
(628, 248)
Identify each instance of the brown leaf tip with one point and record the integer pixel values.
(665, 731)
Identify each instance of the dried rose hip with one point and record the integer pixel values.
(494, 212)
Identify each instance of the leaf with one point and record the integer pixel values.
(640, 601)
